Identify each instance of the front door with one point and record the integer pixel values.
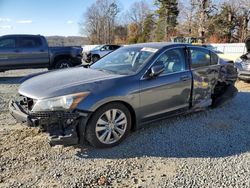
(171, 90)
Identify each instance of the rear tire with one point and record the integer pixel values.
(62, 64)
(109, 125)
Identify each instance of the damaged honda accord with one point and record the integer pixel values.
(102, 103)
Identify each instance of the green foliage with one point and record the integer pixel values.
(167, 18)
(224, 22)
(148, 27)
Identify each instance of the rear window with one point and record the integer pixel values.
(200, 57)
(30, 42)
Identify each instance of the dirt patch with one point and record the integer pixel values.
(241, 85)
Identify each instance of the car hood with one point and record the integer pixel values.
(64, 82)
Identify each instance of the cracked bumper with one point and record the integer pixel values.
(61, 126)
(21, 116)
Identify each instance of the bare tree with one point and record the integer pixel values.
(187, 19)
(244, 19)
(136, 16)
(100, 20)
(239, 16)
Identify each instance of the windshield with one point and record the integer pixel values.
(125, 61)
(97, 47)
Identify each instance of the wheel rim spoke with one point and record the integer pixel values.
(102, 122)
(121, 116)
(122, 122)
(120, 131)
(107, 140)
(99, 128)
(116, 136)
(102, 138)
(108, 115)
(114, 111)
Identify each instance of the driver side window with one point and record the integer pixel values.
(105, 48)
(174, 60)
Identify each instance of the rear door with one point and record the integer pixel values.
(33, 52)
(205, 69)
(9, 56)
(171, 90)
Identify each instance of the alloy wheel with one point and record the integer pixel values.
(111, 126)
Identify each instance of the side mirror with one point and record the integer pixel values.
(156, 70)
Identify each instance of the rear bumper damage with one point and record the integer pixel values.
(61, 126)
(224, 95)
(225, 89)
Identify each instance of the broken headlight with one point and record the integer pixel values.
(67, 102)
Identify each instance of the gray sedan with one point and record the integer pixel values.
(243, 63)
(124, 90)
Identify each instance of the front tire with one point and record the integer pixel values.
(95, 58)
(63, 63)
(108, 126)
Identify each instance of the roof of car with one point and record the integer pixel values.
(20, 35)
(157, 45)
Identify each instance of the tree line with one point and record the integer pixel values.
(226, 21)
(66, 41)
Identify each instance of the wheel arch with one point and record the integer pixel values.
(130, 108)
(60, 57)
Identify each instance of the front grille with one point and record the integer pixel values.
(53, 114)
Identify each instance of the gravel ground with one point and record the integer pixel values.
(206, 149)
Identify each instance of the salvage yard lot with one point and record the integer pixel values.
(206, 149)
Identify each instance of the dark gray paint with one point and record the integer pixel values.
(148, 97)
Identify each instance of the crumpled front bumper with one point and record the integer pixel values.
(20, 115)
(61, 126)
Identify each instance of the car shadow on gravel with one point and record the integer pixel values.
(11, 79)
(220, 132)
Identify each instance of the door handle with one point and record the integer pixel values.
(185, 78)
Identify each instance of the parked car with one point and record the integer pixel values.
(124, 90)
(32, 51)
(243, 63)
(99, 51)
